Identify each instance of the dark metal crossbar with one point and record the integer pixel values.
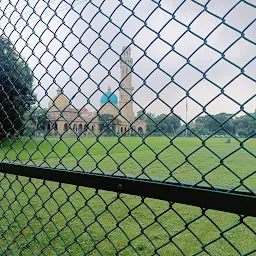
(216, 198)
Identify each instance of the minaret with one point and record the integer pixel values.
(126, 89)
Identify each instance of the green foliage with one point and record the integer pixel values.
(184, 131)
(221, 122)
(35, 121)
(224, 124)
(245, 126)
(16, 82)
(133, 134)
(143, 116)
(107, 124)
(163, 123)
(201, 129)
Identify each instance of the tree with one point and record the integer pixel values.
(108, 123)
(163, 123)
(142, 115)
(225, 122)
(200, 129)
(206, 125)
(35, 121)
(16, 82)
(245, 126)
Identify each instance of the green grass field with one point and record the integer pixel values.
(47, 217)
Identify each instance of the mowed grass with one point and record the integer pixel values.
(48, 218)
(184, 159)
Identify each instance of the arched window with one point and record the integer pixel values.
(65, 127)
(80, 128)
(55, 127)
(125, 129)
(121, 129)
(140, 130)
(92, 127)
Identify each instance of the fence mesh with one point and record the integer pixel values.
(49, 218)
(153, 90)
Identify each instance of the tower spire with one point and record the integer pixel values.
(126, 89)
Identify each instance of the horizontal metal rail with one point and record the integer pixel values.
(240, 202)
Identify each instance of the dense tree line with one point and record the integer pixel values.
(160, 124)
(219, 124)
(16, 88)
(224, 124)
(35, 122)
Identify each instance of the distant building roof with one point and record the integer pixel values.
(60, 101)
(84, 110)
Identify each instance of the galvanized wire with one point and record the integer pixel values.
(41, 217)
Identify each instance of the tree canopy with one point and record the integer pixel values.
(35, 121)
(16, 88)
(245, 126)
(223, 124)
(163, 123)
(107, 124)
(219, 124)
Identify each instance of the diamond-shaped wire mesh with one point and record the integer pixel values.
(153, 90)
(48, 218)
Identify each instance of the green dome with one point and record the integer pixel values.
(108, 97)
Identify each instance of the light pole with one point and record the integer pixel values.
(36, 125)
(186, 116)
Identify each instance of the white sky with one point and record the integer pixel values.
(63, 46)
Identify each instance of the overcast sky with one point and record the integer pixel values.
(63, 42)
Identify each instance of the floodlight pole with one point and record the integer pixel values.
(186, 115)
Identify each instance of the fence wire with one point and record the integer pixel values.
(159, 91)
(48, 218)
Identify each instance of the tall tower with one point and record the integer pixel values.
(126, 89)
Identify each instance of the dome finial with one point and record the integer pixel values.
(58, 91)
(108, 97)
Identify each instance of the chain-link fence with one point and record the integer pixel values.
(127, 127)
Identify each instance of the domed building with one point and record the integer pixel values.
(109, 103)
(66, 120)
(109, 97)
(59, 100)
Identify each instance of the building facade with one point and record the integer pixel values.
(66, 120)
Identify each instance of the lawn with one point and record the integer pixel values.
(45, 217)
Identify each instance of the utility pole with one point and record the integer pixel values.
(173, 130)
(186, 115)
(36, 126)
